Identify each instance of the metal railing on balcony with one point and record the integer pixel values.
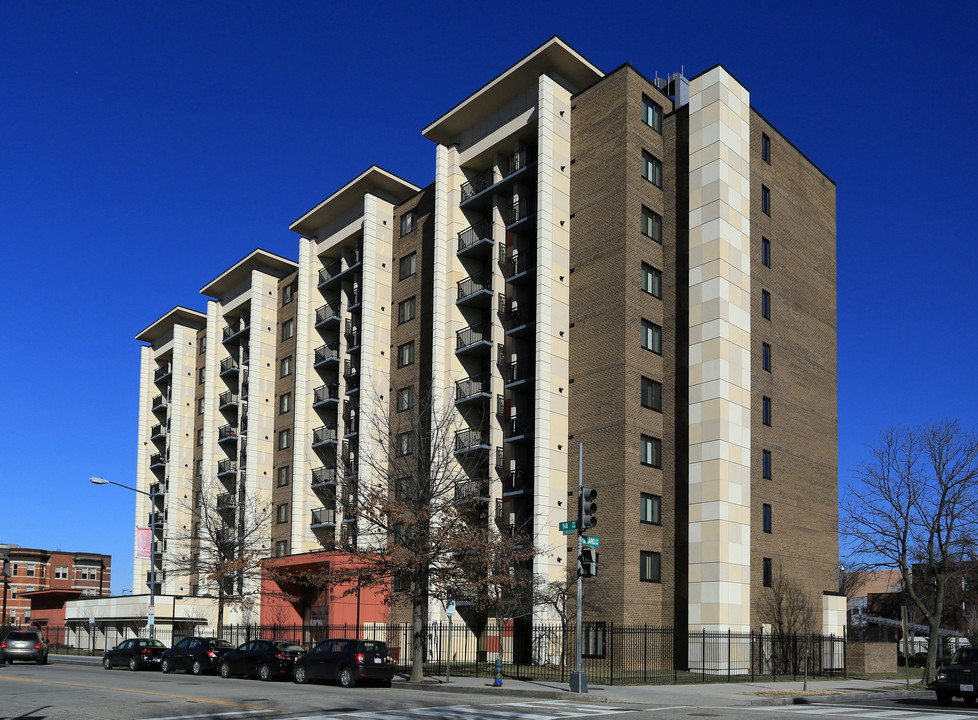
(234, 329)
(516, 264)
(160, 577)
(244, 424)
(227, 501)
(158, 431)
(470, 387)
(325, 393)
(519, 160)
(162, 372)
(470, 439)
(471, 235)
(517, 371)
(466, 490)
(243, 461)
(157, 460)
(350, 328)
(518, 480)
(477, 184)
(226, 467)
(331, 271)
(323, 516)
(229, 365)
(157, 490)
(159, 403)
(157, 517)
(354, 297)
(227, 432)
(469, 336)
(328, 313)
(244, 389)
(517, 427)
(325, 435)
(519, 210)
(518, 317)
(227, 398)
(323, 477)
(475, 284)
(329, 351)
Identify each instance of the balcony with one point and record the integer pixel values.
(518, 428)
(227, 501)
(328, 314)
(227, 433)
(227, 467)
(244, 388)
(325, 435)
(155, 520)
(520, 160)
(472, 389)
(159, 403)
(519, 211)
(323, 517)
(157, 460)
(243, 461)
(327, 353)
(227, 400)
(229, 366)
(518, 481)
(326, 394)
(330, 274)
(517, 267)
(354, 298)
(351, 426)
(476, 240)
(478, 184)
(352, 333)
(234, 331)
(351, 375)
(517, 373)
(472, 490)
(472, 339)
(160, 578)
(163, 373)
(475, 289)
(467, 441)
(158, 432)
(156, 490)
(323, 478)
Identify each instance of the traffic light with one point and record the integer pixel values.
(587, 562)
(586, 507)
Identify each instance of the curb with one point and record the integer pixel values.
(504, 690)
(80, 659)
(817, 699)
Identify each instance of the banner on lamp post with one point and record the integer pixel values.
(144, 543)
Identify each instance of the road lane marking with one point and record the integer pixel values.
(207, 715)
(141, 692)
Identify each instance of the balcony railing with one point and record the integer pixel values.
(518, 480)
(160, 576)
(331, 271)
(229, 365)
(516, 264)
(227, 501)
(155, 520)
(350, 328)
(322, 517)
(518, 317)
(470, 387)
(325, 393)
(477, 184)
(470, 440)
(518, 371)
(469, 336)
(157, 460)
(475, 284)
(519, 210)
(162, 372)
(244, 388)
(519, 160)
(158, 431)
(234, 329)
(156, 489)
(325, 435)
(467, 490)
(354, 297)
(227, 399)
(330, 351)
(159, 403)
(517, 427)
(323, 477)
(329, 312)
(226, 467)
(471, 235)
(227, 432)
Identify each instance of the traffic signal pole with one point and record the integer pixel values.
(578, 680)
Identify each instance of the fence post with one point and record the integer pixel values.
(645, 654)
(703, 654)
(729, 656)
(611, 653)
(752, 654)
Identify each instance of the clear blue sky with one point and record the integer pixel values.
(145, 147)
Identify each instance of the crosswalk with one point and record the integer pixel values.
(866, 711)
(526, 710)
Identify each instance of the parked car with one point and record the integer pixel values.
(267, 659)
(24, 645)
(135, 653)
(199, 655)
(347, 660)
(959, 679)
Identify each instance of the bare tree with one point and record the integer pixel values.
(914, 509)
(222, 546)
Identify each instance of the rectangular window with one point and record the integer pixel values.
(408, 266)
(285, 367)
(288, 294)
(405, 354)
(766, 410)
(281, 548)
(652, 113)
(200, 376)
(651, 509)
(406, 310)
(199, 468)
(29, 570)
(767, 518)
(61, 573)
(200, 406)
(767, 572)
(284, 439)
(651, 451)
(765, 148)
(652, 336)
(283, 476)
(765, 304)
(766, 356)
(765, 200)
(405, 398)
(652, 224)
(652, 168)
(288, 329)
(284, 402)
(650, 567)
(404, 443)
(651, 394)
(282, 513)
(200, 437)
(765, 252)
(202, 345)
(652, 280)
(766, 464)
(409, 221)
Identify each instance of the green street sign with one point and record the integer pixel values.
(569, 525)
(592, 541)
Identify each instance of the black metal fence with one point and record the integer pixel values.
(612, 654)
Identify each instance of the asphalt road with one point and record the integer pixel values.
(63, 691)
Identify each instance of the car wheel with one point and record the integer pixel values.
(386, 683)
(43, 660)
(265, 672)
(346, 678)
(197, 668)
(300, 675)
(943, 699)
(106, 663)
(133, 664)
(225, 670)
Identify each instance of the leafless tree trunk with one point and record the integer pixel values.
(914, 509)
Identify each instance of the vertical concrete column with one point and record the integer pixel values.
(307, 340)
(180, 443)
(144, 476)
(550, 331)
(719, 353)
(213, 387)
(447, 226)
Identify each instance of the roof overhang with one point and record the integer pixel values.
(177, 316)
(554, 56)
(256, 260)
(374, 180)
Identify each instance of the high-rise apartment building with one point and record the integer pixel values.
(644, 267)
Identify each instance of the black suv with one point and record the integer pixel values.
(196, 654)
(347, 660)
(959, 679)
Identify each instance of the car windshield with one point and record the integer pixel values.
(965, 656)
(287, 646)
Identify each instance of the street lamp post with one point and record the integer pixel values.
(151, 612)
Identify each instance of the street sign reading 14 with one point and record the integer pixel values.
(568, 526)
(592, 541)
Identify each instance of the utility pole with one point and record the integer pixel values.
(578, 680)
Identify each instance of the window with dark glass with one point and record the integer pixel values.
(652, 168)
(288, 293)
(409, 221)
(285, 367)
(766, 356)
(285, 402)
(283, 476)
(651, 394)
(652, 224)
(765, 200)
(766, 464)
(651, 509)
(765, 148)
(767, 518)
(652, 336)
(284, 439)
(652, 280)
(404, 444)
(766, 410)
(768, 572)
(405, 354)
(288, 329)
(650, 566)
(652, 113)
(408, 266)
(651, 449)
(765, 304)
(765, 252)
(406, 310)
(281, 548)
(405, 398)
(282, 513)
